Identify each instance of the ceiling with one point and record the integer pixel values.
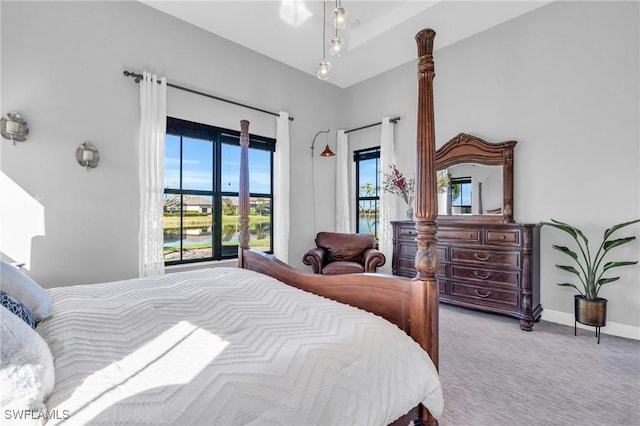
(379, 34)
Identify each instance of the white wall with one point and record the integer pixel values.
(563, 81)
(62, 65)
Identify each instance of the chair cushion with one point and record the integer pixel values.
(345, 247)
(342, 267)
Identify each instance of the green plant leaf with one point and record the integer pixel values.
(610, 265)
(614, 228)
(570, 285)
(568, 269)
(603, 281)
(567, 251)
(563, 227)
(608, 245)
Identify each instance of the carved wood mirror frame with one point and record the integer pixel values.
(466, 148)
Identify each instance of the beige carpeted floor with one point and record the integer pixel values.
(494, 374)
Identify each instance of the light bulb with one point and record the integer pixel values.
(337, 46)
(339, 18)
(323, 70)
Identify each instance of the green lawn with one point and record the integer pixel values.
(205, 221)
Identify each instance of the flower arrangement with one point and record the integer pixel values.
(397, 184)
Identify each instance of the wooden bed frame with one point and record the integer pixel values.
(410, 304)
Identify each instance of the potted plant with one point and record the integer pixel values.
(590, 309)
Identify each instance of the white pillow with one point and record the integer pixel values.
(26, 366)
(27, 291)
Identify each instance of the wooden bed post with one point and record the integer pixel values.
(243, 193)
(426, 193)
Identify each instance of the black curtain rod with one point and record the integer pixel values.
(139, 77)
(393, 120)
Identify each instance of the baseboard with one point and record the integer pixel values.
(612, 328)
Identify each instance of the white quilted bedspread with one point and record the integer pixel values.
(227, 346)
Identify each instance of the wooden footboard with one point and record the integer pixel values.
(387, 296)
(404, 302)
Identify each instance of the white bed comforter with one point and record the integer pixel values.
(227, 346)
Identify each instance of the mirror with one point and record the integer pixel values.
(470, 189)
(475, 178)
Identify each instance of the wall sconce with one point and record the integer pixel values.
(14, 127)
(87, 155)
(327, 151)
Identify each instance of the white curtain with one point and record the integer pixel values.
(388, 201)
(343, 211)
(153, 121)
(281, 190)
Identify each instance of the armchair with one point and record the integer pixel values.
(337, 253)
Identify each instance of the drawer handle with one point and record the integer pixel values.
(481, 257)
(471, 236)
(502, 237)
(477, 292)
(482, 277)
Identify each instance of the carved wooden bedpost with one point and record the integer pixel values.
(426, 192)
(243, 195)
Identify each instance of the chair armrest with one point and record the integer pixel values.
(315, 258)
(372, 259)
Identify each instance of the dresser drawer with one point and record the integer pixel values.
(406, 249)
(509, 278)
(486, 257)
(442, 286)
(443, 253)
(407, 232)
(484, 294)
(468, 235)
(508, 237)
(407, 263)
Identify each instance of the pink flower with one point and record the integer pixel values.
(396, 183)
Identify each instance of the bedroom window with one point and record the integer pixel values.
(460, 195)
(201, 192)
(367, 190)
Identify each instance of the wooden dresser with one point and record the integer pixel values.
(490, 266)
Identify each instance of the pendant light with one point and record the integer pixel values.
(327, 152)
(324, 66)
(339, 16)
(337, 45)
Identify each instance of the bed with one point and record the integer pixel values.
(260, 344)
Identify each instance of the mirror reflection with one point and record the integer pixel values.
(470, 189)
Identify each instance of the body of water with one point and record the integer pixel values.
(203, 236)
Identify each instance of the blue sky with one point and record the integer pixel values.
(197, 166)
(368, 172)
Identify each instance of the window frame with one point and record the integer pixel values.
(462, 181)
(363, 155)
(218, 136)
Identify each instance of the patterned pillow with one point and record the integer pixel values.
(14, 305)
(26, 290)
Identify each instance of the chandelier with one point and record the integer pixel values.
(337, 43)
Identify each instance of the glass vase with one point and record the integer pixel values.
(409, 213)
